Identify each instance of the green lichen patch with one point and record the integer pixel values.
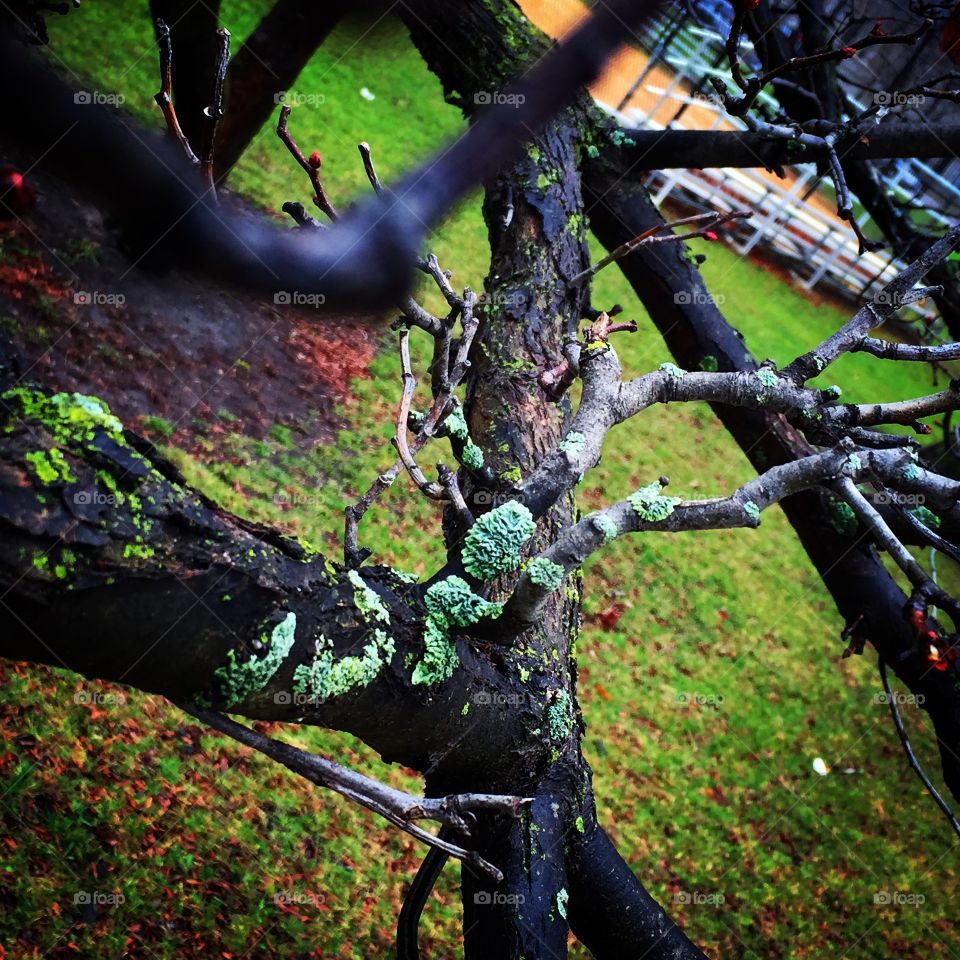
(767, 377)
(709, 363)
(911, 472)
(439, 656)
(367, 600)
(239, 681)
(573, 443)
(752, 511)
(70, 417)
(927, 517)
(843, 519)
(673, 371)
(451, 603)
(560, 716)
(562, 898)
(545, 573)
(650, 504)
(326, 677)
(493, 544)
(50, 466)
(853, 464)
(832, 392)
(606, 526)
(472, 456)
(456, 425)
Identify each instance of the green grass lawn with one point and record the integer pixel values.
(706, 701)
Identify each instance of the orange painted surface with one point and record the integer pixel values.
(558, 17)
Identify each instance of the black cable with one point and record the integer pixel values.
(408, 944)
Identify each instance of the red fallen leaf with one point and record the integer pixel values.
(603, 693)
(723, 615)
(611, 616)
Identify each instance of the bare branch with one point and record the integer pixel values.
(401, 809)
(908, 750)
(311, 166)
(164, 98)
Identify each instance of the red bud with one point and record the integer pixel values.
(710, 235)
(314, 160)
(849, 52)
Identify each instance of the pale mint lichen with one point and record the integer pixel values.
(560, 716)
(545, 573)
(367, 600)
(650, 504)
(767, 377)
(606, 526)
(853, 463)
(326, 677)
(472, 456)
(573, 443)
(439, 656)
(832, 392)
(456, 425)
(450, 603)
(493, 544)
(911, 472)
(672, 370)
(751, 510)
(562, 897)
(238, 681)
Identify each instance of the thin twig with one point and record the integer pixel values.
(908, 750)
(164, 98)
(311, 166)
(653, 235)
(401, 809)
(214, 112)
